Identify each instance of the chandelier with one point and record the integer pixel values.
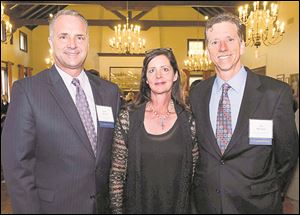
(7, 34)
(198, 61)
(127, 39)
(262, 24)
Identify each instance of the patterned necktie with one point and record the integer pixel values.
(85, 114)
(224, 129)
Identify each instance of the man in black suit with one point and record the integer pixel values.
(56, 142)
(248, 142)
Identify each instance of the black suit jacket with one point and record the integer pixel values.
(48, 162)
(246, 178)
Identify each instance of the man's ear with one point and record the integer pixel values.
(50, 43)
(242, 47)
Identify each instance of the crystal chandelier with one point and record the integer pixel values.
(262, 24)
(198, 61)
(7, 34)
(127, 39)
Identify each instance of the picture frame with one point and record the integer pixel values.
(127, 78)
(194, 45)
(280, 77)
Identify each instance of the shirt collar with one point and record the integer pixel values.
(68, 78)
(236, 82)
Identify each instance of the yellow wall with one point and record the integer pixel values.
(13, 53)
(282, 58)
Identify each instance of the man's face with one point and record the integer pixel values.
(225, 47)
(69, 42)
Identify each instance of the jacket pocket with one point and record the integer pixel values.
(46, 195)
(264, 187)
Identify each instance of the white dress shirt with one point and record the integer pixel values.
(86, 86)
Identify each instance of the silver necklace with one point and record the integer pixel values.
(161, 117)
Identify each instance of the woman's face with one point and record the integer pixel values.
(160, 75)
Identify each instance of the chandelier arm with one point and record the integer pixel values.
(263, 24)
(127, 39)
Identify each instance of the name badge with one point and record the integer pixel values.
(260, 132)
(105, 116)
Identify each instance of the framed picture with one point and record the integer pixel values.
(194, 46)
(127, 78)
(280, 77)
(294, 83)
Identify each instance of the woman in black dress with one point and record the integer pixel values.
(154, 149)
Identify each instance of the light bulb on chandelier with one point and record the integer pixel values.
(262, 24)
(198, 61)
(127, 39)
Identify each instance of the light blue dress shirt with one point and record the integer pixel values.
(235, 95)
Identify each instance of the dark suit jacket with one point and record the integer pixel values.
(246, 178)
(48, 162)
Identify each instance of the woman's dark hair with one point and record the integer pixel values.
(144, 94)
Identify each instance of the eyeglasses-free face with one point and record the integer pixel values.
(160, 75)
(164, 70)
(225, 48)
(156, 52)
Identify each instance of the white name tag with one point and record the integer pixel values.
(105, 116)
(260, 132)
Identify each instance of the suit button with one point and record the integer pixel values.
(222, 162)
(217, 190)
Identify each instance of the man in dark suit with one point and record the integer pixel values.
(56, 142)
(248, 142)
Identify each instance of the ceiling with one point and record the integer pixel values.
(34, 13)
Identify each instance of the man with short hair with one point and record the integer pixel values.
(56, 142)
(248, 142)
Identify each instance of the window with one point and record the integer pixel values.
(4, 81)
(23, 41)
(194, 46)
(3, 32)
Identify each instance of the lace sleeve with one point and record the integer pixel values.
(119, 163)
(195, 150)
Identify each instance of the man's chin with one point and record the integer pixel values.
(225, 69)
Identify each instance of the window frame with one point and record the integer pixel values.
(23, 36)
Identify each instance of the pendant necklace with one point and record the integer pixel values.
(161, 117)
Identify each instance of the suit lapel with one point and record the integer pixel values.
(251, 98)
(64, 100)
(207, 129)
(98, 101)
